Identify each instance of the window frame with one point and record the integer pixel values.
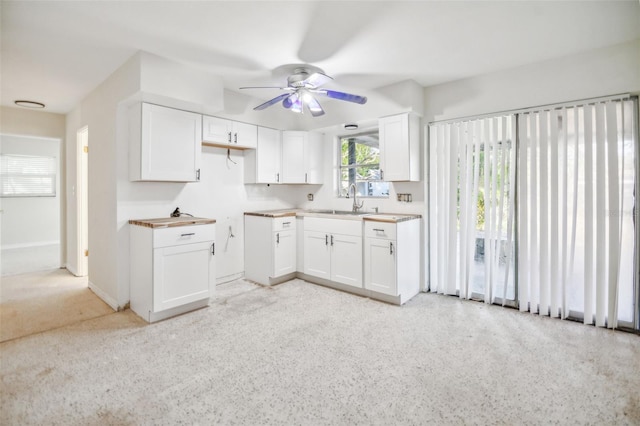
(342, 167)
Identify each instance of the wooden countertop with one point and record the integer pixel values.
(169, 222)
(274, 213)
(376, 217)
(391, 218)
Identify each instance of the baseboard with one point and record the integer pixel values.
(29, 245)
(229, 278)
(71, 269)
(104, 296)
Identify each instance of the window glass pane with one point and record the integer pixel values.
(360, 165)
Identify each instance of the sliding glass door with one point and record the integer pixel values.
(472, 199)
(574, 214)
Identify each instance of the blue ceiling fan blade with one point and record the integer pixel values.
(344, 96)
(272, 101)
(293, 102)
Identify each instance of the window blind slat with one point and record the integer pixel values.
(614, 213)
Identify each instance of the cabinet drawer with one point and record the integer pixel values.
(380, 230)
(334, 226)
(183, 235)
(283, 223)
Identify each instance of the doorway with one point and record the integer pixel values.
(31, 204)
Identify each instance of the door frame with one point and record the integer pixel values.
(82, 201)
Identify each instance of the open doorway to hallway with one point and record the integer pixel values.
(31, 204)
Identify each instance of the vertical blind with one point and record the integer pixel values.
(576, 206)
(575, 174)
(471, 202)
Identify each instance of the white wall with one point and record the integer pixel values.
(31, 221)
(600, 72)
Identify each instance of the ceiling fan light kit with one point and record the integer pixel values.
(302, 85)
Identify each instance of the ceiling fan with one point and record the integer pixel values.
(302, 86)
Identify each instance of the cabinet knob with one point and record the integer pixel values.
(213, 248)
(278, 238)
(390, 248)
(326, 240)
(229, 135)
(235, 138)
(188, 235)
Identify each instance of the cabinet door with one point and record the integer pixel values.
(170, 144)
(314, 158)
(284, 253)
(268, 159)
(245, 135)
(394, 147)
(317, 256)
(216, 130)
(182, 274)
(380, 266)
(293, 156)
(346, 259)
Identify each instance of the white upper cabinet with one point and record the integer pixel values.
(302, 157)
(293, 154)
(263, 165)
(164, 144)
(400, 147)
(228, 133)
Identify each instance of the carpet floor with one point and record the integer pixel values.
(39, 301)
(302, 354)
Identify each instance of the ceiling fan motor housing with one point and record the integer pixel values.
(297, 79)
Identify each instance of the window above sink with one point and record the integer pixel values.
(359, 159)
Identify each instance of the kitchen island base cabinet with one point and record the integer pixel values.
(392, 259)
(172, 269)
(269, 249)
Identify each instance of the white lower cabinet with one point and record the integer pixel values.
(172, 269)
(381, 272)
(269, 248)
(392, 258)
(333, 250)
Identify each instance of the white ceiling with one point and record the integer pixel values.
(56, 52)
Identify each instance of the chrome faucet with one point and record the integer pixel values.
(356, 206)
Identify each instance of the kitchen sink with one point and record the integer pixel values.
(339, 212)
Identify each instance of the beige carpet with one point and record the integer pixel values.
(39, 301)
(301, 354)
